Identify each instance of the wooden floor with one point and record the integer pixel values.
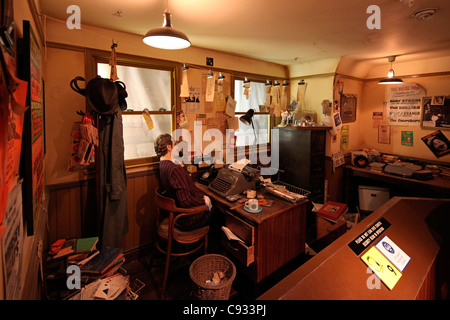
(149, 274)
(179, 284)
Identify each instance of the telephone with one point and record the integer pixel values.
(208, 176)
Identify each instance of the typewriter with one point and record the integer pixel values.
(231, 181)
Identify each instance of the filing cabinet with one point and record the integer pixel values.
(302, 158)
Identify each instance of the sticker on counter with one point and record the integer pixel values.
(393, 253)
(363, 241)
(382, 267)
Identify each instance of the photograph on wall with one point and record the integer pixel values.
(436, 112)
(181, 119)
(192, 103)
(438, 100)
(438, 143)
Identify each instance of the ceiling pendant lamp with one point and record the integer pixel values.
(166, 37)
(391, 78)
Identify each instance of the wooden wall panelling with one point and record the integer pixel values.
(128, 240)
(62, 214)
(88, 200)
(72, 210)
(75, 211)
(141, 214)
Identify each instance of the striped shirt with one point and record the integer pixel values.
(179, 185)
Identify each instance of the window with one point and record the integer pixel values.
(256, 97)
(148, 88)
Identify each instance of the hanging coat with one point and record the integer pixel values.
(112, 180)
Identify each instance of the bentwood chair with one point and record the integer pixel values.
(167, 215)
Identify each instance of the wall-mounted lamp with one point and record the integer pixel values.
(391, 78)
(247, 119)
(166, 37)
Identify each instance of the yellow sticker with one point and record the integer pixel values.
(148, 119)
(382, 267)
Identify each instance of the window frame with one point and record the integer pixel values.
(254, 78)
(93, 57)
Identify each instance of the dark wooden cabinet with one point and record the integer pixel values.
(302, 158)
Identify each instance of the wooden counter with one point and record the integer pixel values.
(337, 272)
(438, 183)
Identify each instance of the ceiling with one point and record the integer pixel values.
(280, 31)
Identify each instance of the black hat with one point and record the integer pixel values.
(101, 95)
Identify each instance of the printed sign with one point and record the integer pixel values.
(363, 241)
(382, 267)
(394, 254)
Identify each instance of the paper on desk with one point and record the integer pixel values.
(239, 165)
(230, 235)
(316, 206)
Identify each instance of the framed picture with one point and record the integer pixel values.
(436, 112)
(384, 134)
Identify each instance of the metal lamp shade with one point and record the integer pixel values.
(166, 37)
(247, 117)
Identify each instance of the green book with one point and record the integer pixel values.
(86, 244)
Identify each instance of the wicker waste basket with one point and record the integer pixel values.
(201, 272)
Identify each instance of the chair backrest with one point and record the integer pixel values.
(165, 203)
(169, 204)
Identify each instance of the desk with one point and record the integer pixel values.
(338, 273)
(437, 187)
(273, 237)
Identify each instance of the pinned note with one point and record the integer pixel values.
(148, 119)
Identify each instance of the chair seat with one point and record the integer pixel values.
(182, 236)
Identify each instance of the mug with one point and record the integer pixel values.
(252, 204)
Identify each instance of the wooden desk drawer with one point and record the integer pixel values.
(242, 252)
(239, 227)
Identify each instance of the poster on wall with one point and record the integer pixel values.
(12, 244)
(438, 143)
(404, 104)
(33, 146)
(407, 138)
(12, 109)
(348, 108)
